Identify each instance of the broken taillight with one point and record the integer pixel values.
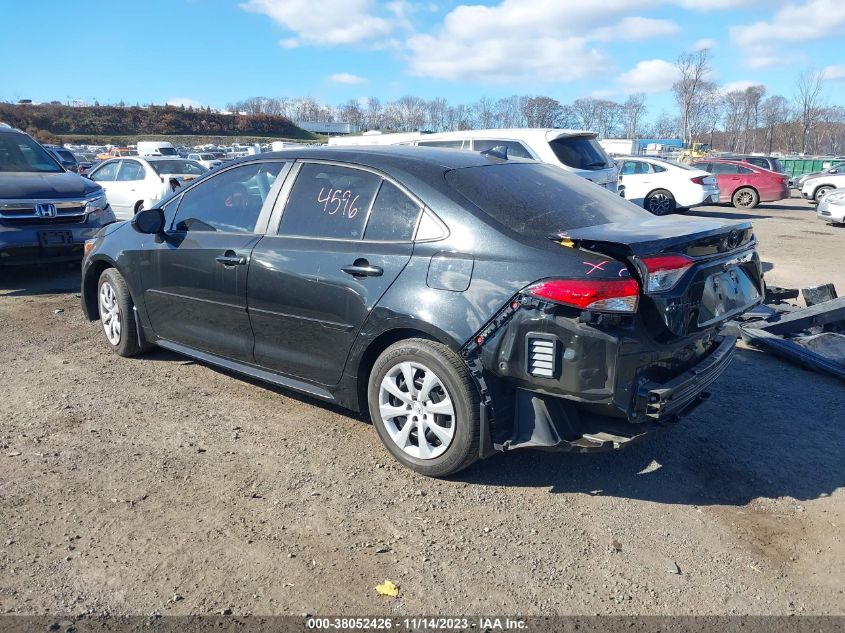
(664, 271)
(610, 295)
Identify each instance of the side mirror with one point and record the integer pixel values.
(150, 221)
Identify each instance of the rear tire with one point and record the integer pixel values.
(745, 198)
(115, 307)
(660, 202)
(432, 427)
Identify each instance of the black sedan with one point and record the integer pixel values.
(468, 303)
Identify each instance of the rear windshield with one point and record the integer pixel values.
(163, 167)
(66, 155)
(777, 166)
(167, 151)
(580, 152)
(540, 200)
(18, 152)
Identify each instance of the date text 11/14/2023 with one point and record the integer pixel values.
(417, 623)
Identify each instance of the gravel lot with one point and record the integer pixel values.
(159, 485)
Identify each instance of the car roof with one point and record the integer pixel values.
(385, 157)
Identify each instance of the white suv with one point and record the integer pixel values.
(576, 151)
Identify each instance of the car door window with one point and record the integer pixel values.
(329, 201)
(656, 169)
(744, 170)
(724, 168)
(230, 202)
(393, 217)
(515, 148)
(106, 173)
(130, 170)
(758, 161)
(629, 168)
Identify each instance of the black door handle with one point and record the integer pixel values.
(362, 268)
(230, 258)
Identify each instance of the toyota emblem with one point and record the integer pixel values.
(733, 239)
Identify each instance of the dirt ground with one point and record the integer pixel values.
(160, 485)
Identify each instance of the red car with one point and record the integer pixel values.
(745, 185)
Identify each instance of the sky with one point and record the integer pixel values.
(214, 52)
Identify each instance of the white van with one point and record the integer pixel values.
(156, 148)
(576, 151)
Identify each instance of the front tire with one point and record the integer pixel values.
(116, 314)
(821, 192)
(660, 202)
(745, 198)
(425, 408)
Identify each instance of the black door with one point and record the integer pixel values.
(345, 235)
(195, 280)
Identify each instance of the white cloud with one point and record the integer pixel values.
(720, 5)
(324, 23)
(348, 79)
(833, 72)
(701, 44)
(650, 75)
(529, 40)
(184, 101)
(635, 28)
(763, 41)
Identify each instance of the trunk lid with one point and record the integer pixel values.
(723, 280)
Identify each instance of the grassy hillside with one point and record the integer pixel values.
(60, 123)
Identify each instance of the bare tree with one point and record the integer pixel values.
(753, 98)
(372, 117)
(541, 111)
(633, 112)
(689, 90)
(775, 113)
(808, 100)
(483, 113)
(436, 116)
(509, 112)
(586, 110)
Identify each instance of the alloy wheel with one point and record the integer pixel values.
(110, 312)
(744, 199)
(416, 410)
(659, 204)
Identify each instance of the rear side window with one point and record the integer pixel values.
(394, 215)
(106, 173)
(515, 148)
(720, 168)
(230, 202)
(539, 200)
(634, 167)
(580, 152)
(131, 170)
(455, 144)
(329, 201)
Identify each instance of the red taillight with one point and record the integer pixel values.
(664, 271)
(699, 180)
(611, 295)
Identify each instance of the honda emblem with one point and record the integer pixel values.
(45, 210)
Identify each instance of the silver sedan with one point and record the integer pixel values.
(832, 207)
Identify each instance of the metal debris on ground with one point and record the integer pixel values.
(813, 336)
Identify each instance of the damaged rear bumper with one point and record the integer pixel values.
(553, 423)
(550, 380)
